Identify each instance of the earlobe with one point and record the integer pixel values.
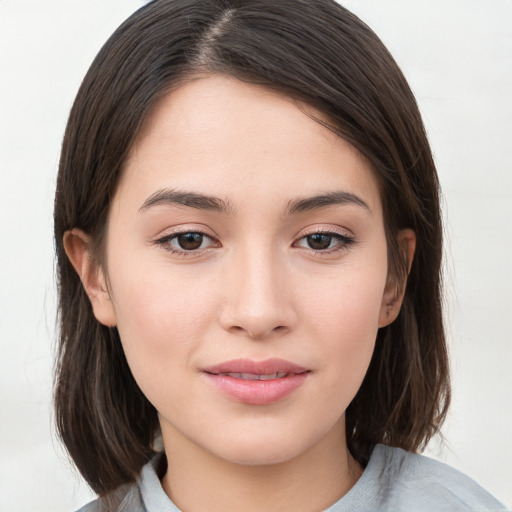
(394, 292)
(76, 244)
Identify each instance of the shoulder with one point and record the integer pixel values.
(93, 506)
(140, 496)
(126, 498)
(408, 481)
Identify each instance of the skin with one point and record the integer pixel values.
(254, 288)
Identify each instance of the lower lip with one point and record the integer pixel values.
(257, 392)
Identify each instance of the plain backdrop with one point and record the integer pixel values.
(457, 56)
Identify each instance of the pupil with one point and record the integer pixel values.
(190, 241)
(319, 241)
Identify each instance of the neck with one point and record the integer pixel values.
(197, 480)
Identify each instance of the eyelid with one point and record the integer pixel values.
(325, 230)
(185, 228)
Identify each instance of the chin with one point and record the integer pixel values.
(257, 450)
(257, 457)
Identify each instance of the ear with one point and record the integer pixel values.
(76, 245)
(395, 291)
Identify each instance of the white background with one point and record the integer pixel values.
(457, 55)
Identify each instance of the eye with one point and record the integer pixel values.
(189, 241)
(186, 242)
(319, 241)
(325, 241)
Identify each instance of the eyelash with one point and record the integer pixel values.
(165, 243)
(343, 242)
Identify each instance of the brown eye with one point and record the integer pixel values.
(190, 241)
(319, 241)
(325, 242)
(187, 243)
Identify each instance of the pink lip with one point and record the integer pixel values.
(256, 392)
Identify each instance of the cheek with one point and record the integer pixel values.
(344, 321)
(350, 300)
(161, 318)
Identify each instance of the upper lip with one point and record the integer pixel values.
(266, 367)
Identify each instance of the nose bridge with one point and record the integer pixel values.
(258, 301)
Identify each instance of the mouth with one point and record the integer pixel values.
(248, 369)
(256, 382)
(255, 376)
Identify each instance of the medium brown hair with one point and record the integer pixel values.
(322, 55)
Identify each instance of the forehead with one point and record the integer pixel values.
(217, 135)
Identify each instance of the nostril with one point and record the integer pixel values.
(257, 332)
(259, 318)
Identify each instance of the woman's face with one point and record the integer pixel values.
(247, 271)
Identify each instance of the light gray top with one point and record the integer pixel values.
(393, 481)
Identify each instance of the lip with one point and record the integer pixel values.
(280, 379)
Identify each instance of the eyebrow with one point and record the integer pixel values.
(216, 204)
(190, 199)
(341, 197)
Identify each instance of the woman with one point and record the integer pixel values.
(249, 245)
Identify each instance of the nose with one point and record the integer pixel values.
(258, 297)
